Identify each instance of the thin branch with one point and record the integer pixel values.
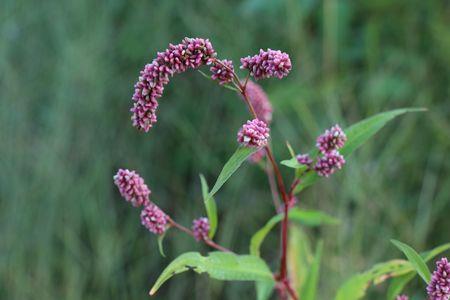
(222, 85)
(207, 241)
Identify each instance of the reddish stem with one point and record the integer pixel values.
(290, 290)
(293, 186)
(284, 231)
(284, 196)
(217, 246)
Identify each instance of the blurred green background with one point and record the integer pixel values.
(67, 75)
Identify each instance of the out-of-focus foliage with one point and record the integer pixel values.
(67, 75)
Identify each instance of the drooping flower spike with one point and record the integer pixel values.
(222, 70)
(154, 219)
(333, 139)
(132, 187)
(254, 133)
(439, 286)
(191, 53)
(266, 64)
(200, 227)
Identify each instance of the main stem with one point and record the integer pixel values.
(282, 277)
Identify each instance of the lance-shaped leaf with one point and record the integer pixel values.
(236, 160)
(300, 256)
(264, 289)
(218, 265)
(414, 258)
(309, 289)
(357, 135)
(211, 207)
(307, 217)
(355, 287)
(398, 284)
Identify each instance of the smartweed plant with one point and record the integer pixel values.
(253, 146)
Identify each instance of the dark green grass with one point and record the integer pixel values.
(67, 72)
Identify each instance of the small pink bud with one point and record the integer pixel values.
(333, 139)
(200, 227)
(254, 133)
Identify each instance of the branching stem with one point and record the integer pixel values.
(282, 276)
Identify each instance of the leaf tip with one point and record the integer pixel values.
(152, 291)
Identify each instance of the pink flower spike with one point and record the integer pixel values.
(190, 53)
(332, 139)
(259, 100)
(266, 64)
(222, 71)
(402, 297)
(132, 187)
(200, 227)
(254, 133)
(329, 163)
(439, 286)
(154, 219)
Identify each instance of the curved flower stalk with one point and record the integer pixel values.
(191, 53)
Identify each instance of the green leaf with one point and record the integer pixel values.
(398, 284)
(355, 287)
(291, 163)
(291, 150)
(219, 265)
(309, 289)
(300, 256)
(236, 160)
(264, 289)
(414, 258)
(357, 135)
(428, 255)
(160, 244)
(211, 207)
(358, 284)
(306, 217)
(362, 131)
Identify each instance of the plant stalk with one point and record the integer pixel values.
(207, 241)
(280, 184)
